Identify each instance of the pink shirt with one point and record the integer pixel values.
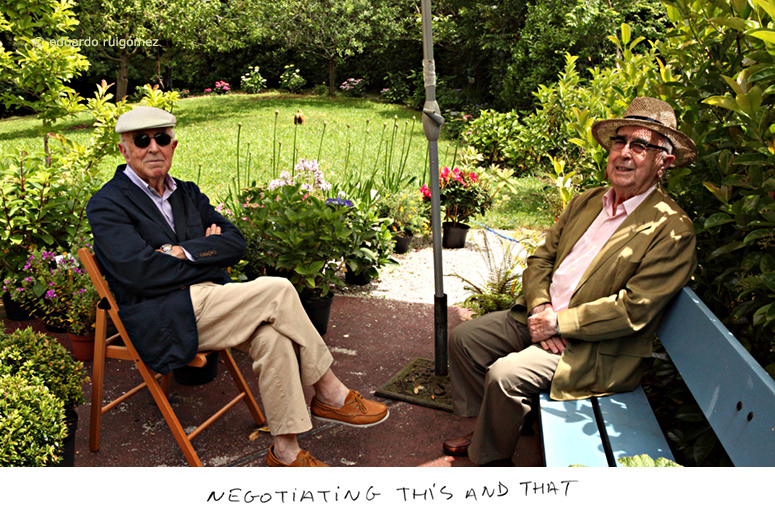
(570, 271)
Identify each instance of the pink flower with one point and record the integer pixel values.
(425, 191)
(208, 90)
(444, 173)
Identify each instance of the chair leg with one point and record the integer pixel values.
(242, 386)
(98, 378)
(169, 415)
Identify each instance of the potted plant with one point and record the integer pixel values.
(58, 291)
(462, 196)
(370, 244)
(291, 231)
(39, 207)
(44, 361)
(32, 424)
(408, 214)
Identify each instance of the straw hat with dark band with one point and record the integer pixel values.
(655, 115)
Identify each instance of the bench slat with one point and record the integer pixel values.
(720, 373)
(570, 433)
(632, 427)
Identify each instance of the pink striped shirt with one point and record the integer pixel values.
(570, 271)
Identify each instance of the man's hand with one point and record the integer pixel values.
(213, 229)
(176, 251)
(542, 324)
(554, 344)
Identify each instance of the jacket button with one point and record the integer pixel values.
(184, 287)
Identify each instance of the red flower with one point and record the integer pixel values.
(425, 191)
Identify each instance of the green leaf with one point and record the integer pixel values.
(718, 219)
(730, 247)
(756, 235)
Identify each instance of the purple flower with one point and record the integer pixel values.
(51, 294)
(339, 201)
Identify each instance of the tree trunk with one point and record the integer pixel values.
(331, 77)
(122, 78)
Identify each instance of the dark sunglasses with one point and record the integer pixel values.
(143, 140)
(618, 143)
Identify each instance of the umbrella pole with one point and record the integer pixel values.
(431, 122)
(417, 383)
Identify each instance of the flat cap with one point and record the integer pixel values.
(144, 118)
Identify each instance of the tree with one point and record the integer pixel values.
(119, 31)
(36, 59)
(332, 29)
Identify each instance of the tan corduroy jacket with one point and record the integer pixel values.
(615, 309)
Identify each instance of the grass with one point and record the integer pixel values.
(352, 138)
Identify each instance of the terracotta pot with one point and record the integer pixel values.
(454, 235)
(318, 310)
(83, 346)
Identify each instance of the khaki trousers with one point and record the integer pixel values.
(264, 318)
(495, 373)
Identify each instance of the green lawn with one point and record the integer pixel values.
(350, 137)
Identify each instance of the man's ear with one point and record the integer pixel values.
(667, 161)
(122, 149)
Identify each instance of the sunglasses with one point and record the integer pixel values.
(618, 143)
(143, 140)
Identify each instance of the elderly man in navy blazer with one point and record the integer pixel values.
(164, 248)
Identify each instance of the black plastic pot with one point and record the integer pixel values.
(319, 310)
(191, 376)
(13, 310)
(454, 235)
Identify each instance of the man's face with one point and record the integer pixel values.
(152, 162)
(632, 173)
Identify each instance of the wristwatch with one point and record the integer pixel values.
(166, 248)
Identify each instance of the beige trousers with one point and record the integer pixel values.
(496, 372)
(264, 318)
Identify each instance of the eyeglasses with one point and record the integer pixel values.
(143, 140)
(637, 147)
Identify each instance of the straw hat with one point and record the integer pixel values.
(144, 118)
(655, 115)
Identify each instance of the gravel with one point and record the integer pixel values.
(412, 280)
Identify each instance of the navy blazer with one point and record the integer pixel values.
(152, 288)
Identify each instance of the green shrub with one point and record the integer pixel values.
(291, 80)
(34, 355)
(252, 82)
(32, 423)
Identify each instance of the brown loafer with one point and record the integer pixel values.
(356, 411)
(303, 459)
(457, 446)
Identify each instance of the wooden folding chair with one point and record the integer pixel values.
(107, 348)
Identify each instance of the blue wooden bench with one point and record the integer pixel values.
(736, 395)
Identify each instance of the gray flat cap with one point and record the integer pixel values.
(144, 118)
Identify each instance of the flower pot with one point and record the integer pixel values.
(83, 346)
(454, 235)
(360, 279)
(318, 310)
(192, 376)
(68, 445)
(403, 243)
(13, 310)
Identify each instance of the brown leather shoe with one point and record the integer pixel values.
(356, 411)
(303, 459)
(457, 446)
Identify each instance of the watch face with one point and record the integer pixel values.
(166, 248)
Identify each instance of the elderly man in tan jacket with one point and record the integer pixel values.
(593, 292)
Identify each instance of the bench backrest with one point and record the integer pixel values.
(735, 393)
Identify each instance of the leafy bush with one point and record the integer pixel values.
(407, 212)
(32, 423)
(397, 90)
(371, 241)
(293, 232)
(27, 353)
(291, 80)
(252, 82)
(501, 280)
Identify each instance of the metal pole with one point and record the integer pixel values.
(431, 122)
